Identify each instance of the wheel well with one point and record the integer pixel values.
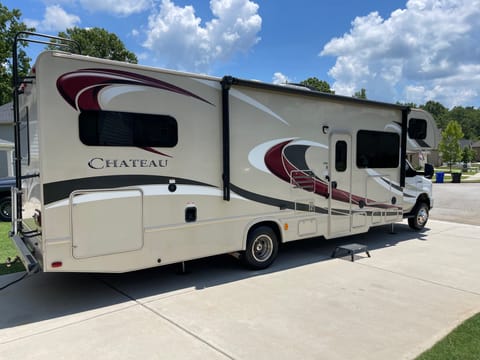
(425, 199)
(4, 195)
(272, 225)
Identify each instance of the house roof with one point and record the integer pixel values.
(476, 144)
(6, 113)
(464, 143)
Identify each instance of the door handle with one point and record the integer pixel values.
(334, 184)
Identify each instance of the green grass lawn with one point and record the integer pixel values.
(463, 343)
(8, 250)
(447, 177)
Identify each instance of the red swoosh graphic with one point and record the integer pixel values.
(81, 88)
(282, 167)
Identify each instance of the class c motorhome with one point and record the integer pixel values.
(122, 167)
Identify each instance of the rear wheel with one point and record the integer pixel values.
(262, 248)
(420, 217)
(6, 209)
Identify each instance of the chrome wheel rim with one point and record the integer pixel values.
(422, 217)
(262, 248)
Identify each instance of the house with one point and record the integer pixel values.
(6, 140)
(472, 145)
(476, 148)
(418, 158)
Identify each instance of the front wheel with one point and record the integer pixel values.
(262, 248)
(420, 217)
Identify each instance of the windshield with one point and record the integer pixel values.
(409, 170)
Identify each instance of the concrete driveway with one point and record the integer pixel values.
(457, 202)
(414, 289)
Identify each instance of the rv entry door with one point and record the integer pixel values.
(340, 185)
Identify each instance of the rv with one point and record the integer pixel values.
(123, 167)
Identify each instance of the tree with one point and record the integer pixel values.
(362, 94)
(411, 105)
(10, 25)
(99, 43)
(438, 112)
(468, 154)
(319, 85)
(449, 145)
(468, 118)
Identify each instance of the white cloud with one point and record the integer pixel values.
(279, 78)
(428, 51)
(59, 2)
(55, 19)
(117, 7)
(178, 38)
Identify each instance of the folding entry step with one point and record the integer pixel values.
(350, 249)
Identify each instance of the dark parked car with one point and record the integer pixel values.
(5, 198)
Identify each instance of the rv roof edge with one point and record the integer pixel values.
(313, 93)
(92, 59)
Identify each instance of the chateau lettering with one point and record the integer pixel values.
(101, 163)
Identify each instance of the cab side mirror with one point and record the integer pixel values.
(429, 171)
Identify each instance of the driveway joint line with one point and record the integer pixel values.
(172, 322)
(42, 332)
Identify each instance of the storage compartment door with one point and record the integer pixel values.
(106, 222)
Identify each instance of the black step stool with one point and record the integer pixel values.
(351, 249)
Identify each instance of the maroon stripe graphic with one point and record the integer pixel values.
(279, 164)
(80, 88)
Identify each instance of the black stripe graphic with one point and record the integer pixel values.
(396, 187)
(60, 190)
(282, 204)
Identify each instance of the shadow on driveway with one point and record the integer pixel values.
(47, 296)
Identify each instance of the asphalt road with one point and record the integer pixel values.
(458, 203)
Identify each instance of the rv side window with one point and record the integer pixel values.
(417, 129)
(341, 156)
(113, 128)
(377, 149)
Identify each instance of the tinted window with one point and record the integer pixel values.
(377, 149)
(417, 129)
(341, 156)
(112, 128)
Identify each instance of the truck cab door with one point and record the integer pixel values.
(340, 185)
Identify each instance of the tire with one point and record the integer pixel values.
(262, 248)
(6, 209)
(420, 218)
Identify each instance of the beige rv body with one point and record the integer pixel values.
(113, 208)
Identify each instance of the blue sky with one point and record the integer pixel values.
(408, 51)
